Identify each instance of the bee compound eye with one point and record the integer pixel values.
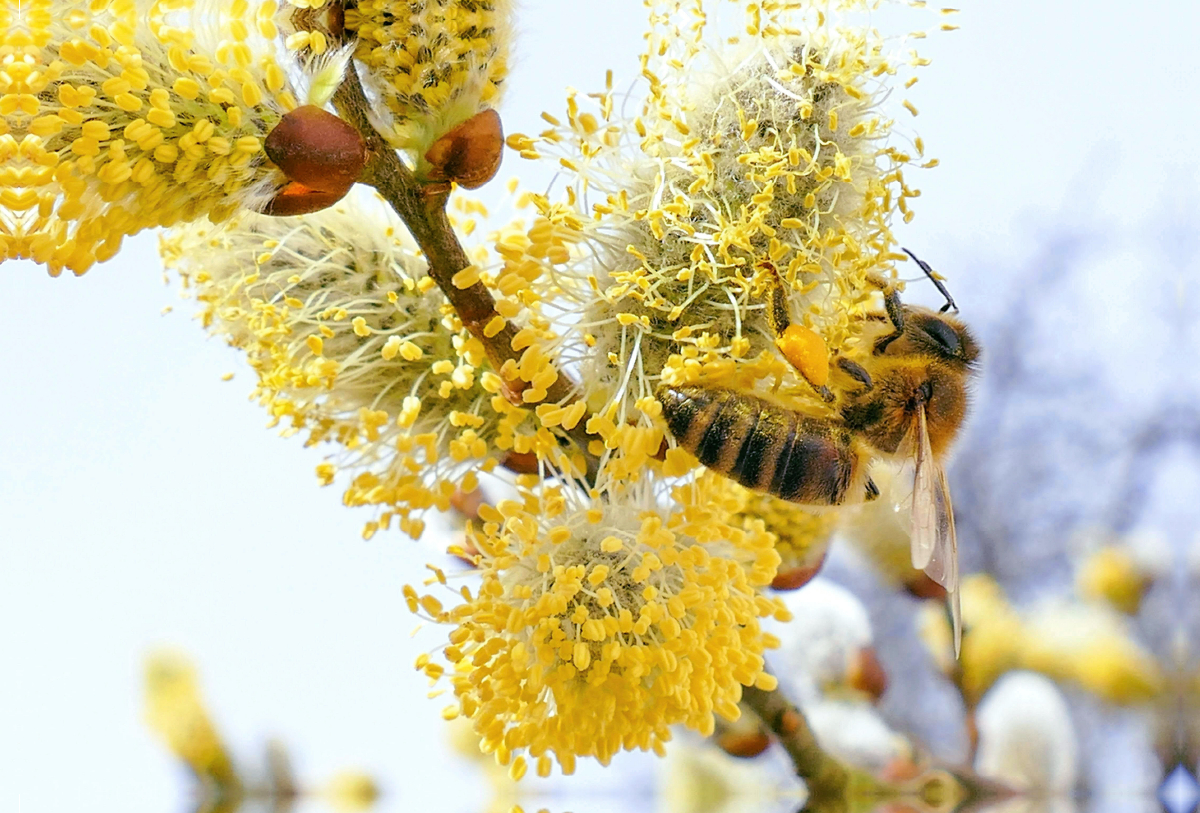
(943, 336)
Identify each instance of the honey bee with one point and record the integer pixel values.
(902, 402)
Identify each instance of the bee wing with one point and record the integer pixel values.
(934, 542)
(943, 566)
(943, 563)
(924, 520)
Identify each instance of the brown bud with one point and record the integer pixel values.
(330, 20)
(521, 462)
(921, 586)
(793, 578)
(470, 153)
(866, 673)
(512, 389)
(317, 149)
(743, 744)
(298, 199)
(335, 19)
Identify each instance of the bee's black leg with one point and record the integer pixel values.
(855, 371)
(872, 490)
(895, 312)
(778, 317)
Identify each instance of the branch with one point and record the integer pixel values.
(422, 207)
(825, 777)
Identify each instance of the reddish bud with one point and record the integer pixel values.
(900, 769)
(793, 578)
(298, 199)
(521, 462)
(317, 149)
(467, 503)
(901, 807)
(470, 153)
(663, 448)
(866, 673)
(743, 744)
(921, 586)
(790, 722)
(466, 551)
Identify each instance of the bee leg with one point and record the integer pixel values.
(872, 490)
(777, 302)
(856, 371)
(895, 312)
(803, 348)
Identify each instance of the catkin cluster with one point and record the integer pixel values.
(773, 160)
(617, 590)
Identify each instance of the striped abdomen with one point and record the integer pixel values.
(760, 444)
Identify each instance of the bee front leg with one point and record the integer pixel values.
(895, 312)
(856, 371)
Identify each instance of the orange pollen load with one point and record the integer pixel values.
(805, 350)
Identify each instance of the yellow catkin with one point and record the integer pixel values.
(539, 661)
(359, 357)
(434, 66)
(98, 99)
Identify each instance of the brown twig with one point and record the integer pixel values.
(825, 777)
(423, 209)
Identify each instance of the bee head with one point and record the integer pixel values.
(935, 335)
(922, 365)
(927, 367)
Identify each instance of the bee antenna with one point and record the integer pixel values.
(933, 277)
